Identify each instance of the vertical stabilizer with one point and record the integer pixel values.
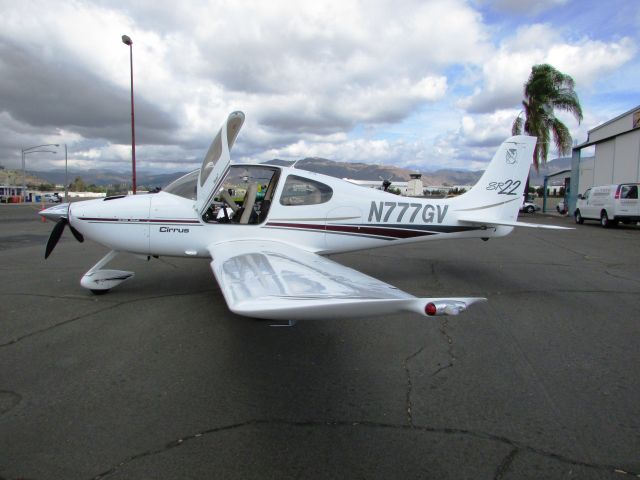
(499, 192)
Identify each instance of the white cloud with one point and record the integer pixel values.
(530, 7)
(487, 129)
(359, 150)
(589, 60)
(352, 80)
(505, 73)
(296, 68)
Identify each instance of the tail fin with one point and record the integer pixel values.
(497, 197)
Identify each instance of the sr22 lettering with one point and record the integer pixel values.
(507, 187)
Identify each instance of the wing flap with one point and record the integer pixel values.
(494, 222)
(271, 280)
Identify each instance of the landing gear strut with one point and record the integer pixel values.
(101, 281)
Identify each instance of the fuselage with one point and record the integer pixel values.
(348, 218)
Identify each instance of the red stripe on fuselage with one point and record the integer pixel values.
(139, 220)
(354, 229)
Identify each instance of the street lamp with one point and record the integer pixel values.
(27, 151)
(127, 41)
(66, 176)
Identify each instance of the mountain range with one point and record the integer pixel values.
(357, 171)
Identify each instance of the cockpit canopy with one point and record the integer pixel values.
(252, 188)
(185, 186)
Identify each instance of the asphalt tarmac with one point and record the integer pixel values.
(158, 380)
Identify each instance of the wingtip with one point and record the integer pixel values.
(432, 307)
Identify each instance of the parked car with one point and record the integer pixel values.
(53, 197)
(529, 207)
(609, 204)
(561, 207)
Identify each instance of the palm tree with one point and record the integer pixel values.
(547, 90)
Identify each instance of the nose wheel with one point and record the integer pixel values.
(100, 292)
(101, 281)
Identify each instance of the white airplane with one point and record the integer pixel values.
(267, 252)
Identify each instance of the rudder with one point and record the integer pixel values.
(498, 193)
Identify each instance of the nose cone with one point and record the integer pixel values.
(56, 212)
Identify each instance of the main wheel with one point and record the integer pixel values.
(100, 292)
(578, 217)
(530, 209)
(604, 220)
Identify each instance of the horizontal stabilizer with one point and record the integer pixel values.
(506, 223)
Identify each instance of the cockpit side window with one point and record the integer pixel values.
(303, 191)
(185, 186)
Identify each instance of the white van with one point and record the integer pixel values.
(609, 204)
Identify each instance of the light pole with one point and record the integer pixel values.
(66, 176)
(127, 41)
(27, 151)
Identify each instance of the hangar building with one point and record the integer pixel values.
(616, 159)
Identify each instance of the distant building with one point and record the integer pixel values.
(87, 194)
(377, 184)
(616, 159)
(9, 193)
(414, 186)
(446, 190)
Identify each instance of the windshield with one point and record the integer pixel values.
(185, 186)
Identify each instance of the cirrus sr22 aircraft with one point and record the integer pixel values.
(267, 251)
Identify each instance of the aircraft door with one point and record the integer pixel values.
(217, 160)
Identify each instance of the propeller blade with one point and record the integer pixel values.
(56, 233)
(78, 236)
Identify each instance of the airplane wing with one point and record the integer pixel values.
(495, 222)
(273, 280)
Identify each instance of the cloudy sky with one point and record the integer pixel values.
(421, 84)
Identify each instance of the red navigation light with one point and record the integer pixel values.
(431, 309)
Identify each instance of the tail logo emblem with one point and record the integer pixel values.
(512, 156)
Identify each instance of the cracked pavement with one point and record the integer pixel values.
(158, 380)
